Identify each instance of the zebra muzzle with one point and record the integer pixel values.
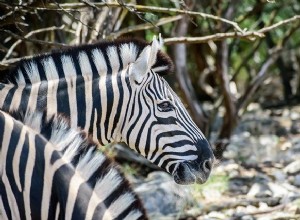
(190, 172)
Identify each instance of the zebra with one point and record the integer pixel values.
(115, 91)
(50, 171)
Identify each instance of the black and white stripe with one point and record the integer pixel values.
(115, 91)
(49, 171)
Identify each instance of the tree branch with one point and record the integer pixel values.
(141, 8)
(145, 26)
(11, 49)
(249, 35)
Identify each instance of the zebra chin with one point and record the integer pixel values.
(190, 172)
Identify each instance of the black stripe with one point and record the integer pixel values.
(166, 161)
(9, 97)
(109, 94)
(25, 74)
(62, 98)
(132, 127)
(93, 65)
(169, 134)
(41, 103)
(127, 104)
(59, 66)
(7, 208)
(37, 180)
(41, 71)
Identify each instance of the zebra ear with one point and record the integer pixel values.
(145, 60)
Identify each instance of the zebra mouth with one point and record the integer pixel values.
(185, 174)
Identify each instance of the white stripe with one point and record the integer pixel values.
(86, 70)
(88, 85)
(118, 206)
(84, 64)
(135, 214)
(16, 100)
(103, 188)
(68, 66)
(57, 211)
(16, 159)
(128, 53)
(20, 78)
(32, 72)
(115, 64)
(4, 92)
(95, 127)
(50, 68)
(28, 177)
(70, 73)
(101, 66)
(74, 185)
(52, 98)
(32, 100)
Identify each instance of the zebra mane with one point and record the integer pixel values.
(79, 58)
(90, 165)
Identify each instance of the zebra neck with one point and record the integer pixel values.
(95, 105)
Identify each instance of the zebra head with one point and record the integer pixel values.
(159, 126)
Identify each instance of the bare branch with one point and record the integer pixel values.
(142, 8)
(280, 23)
(11, 49)
(33, 40)
(213, 37)
(249, 35)
(146, 26)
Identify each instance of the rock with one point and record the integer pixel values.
(238, 185)
(216, 215)
(260, 190)
(296, 181)
(279, 175)
(161, 196)
(295, 128)
(292, 168)
(277, 190)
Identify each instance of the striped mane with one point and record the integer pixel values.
(94, 175)
(77, 59)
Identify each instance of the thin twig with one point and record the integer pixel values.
(249, 35)
(145, 26)
(33, 40)
(142, 8)
(11, 49)
(269, 28)
(8, 63)
(213, 37)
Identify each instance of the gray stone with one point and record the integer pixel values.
(292, 168)
(161, 196)
(277, 190)
(260, 190)
(279, 175)
(296, 181)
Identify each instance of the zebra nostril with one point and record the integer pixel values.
(207, 166)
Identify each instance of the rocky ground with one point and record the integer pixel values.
(259, 177)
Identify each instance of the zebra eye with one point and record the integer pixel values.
(165, 106)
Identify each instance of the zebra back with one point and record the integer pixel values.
(50, 66)
(49, 171)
